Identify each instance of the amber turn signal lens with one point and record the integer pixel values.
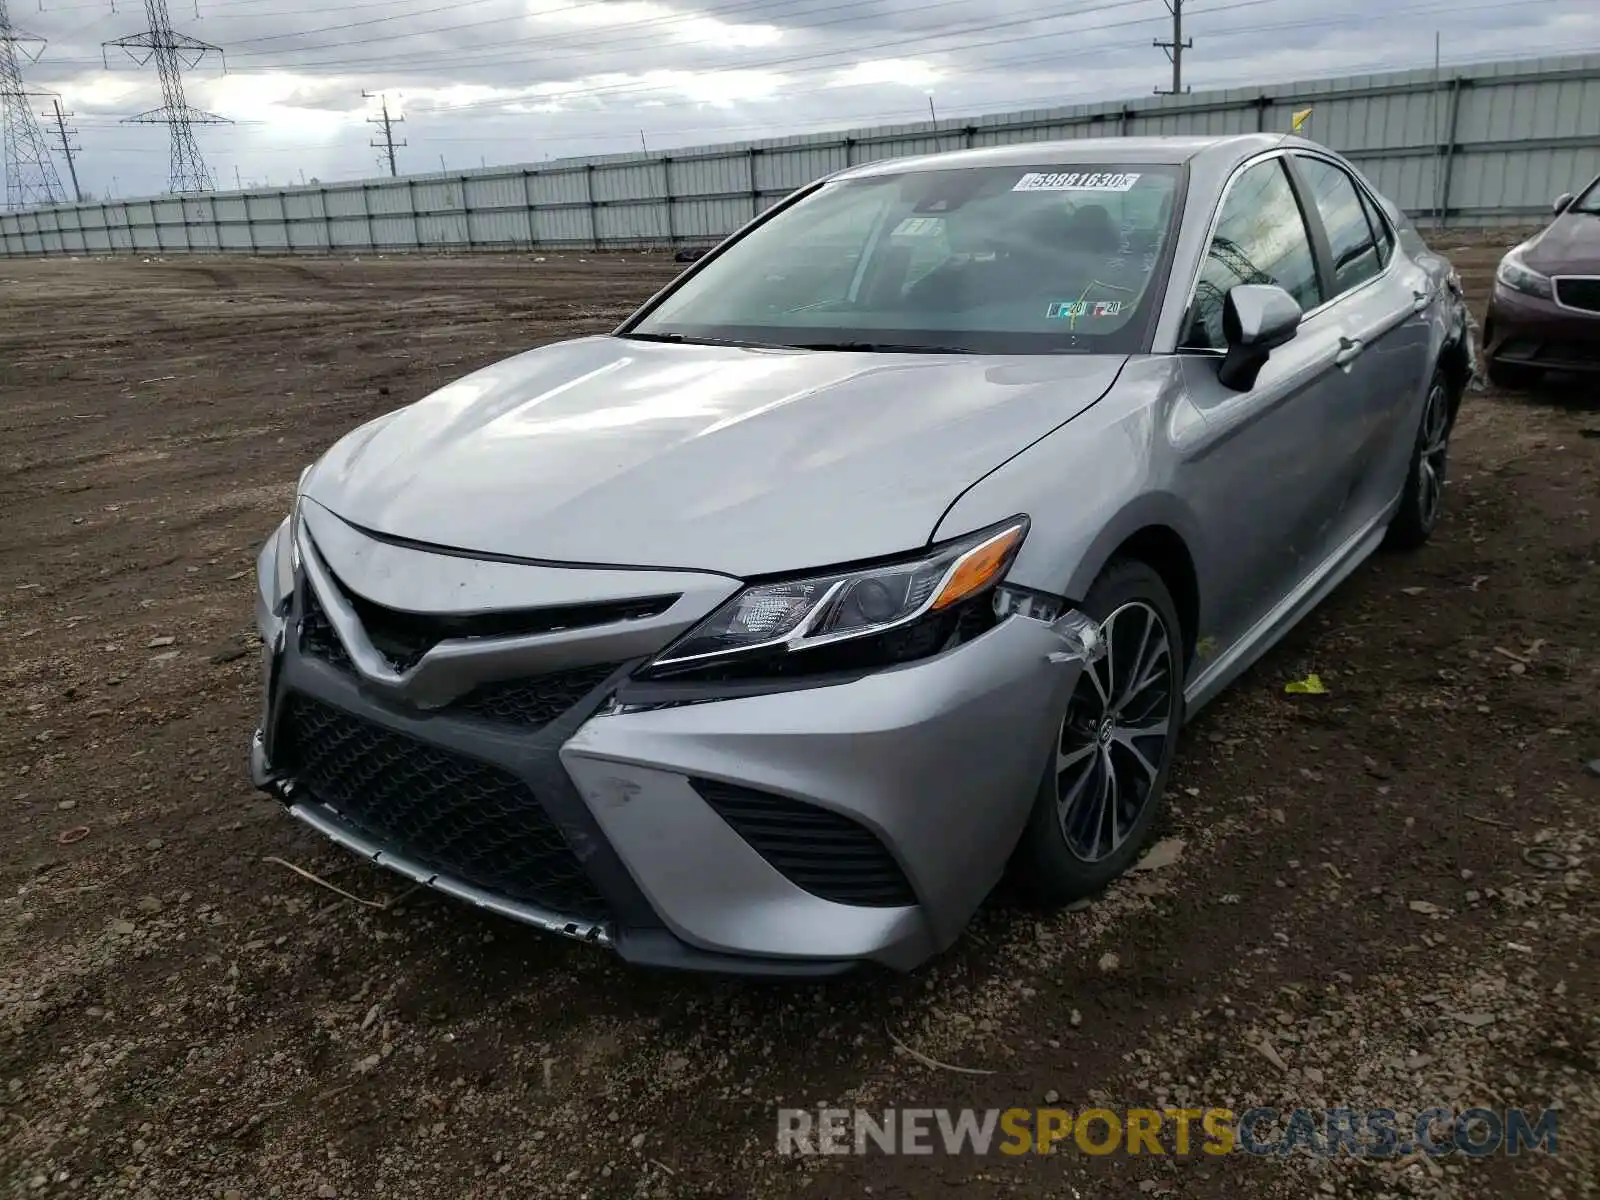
(979, 567)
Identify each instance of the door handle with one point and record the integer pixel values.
(1349, 350)
(1421, 301)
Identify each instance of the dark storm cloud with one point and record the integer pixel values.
(492, 81)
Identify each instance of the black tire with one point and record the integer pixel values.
(1423, 498)
(1513, 377)
(1048, 866)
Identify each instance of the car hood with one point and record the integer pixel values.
(611, 451)
(1570, 245)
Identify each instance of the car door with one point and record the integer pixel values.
(1380, 301)
(1271, 462)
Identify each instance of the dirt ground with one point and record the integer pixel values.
(1386, 897)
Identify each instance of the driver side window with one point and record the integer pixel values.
(1260, 238)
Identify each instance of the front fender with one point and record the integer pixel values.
(1152, 510)
(1093, 483)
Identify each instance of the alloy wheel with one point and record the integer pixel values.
(1114, 737)
(1432, 454)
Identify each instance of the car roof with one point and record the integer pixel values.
(1110, 151)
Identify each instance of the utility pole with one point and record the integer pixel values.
(388, 144)
(30, 171)
(173, 51)
(67, 147)
(1174, 49)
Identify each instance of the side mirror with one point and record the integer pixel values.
(1257, 318)
(1563, 202)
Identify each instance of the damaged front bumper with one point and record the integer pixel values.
(798, 832)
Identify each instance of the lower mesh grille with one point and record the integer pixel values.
(451, 813)
(827, 854)
(532, 702)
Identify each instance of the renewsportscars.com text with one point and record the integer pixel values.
(1363, 1133)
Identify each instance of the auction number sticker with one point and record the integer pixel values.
(1075, 181)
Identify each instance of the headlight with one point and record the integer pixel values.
(783, 623)
(274, 583)
(1519, 277)
(294, 519)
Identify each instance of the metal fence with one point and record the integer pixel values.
(1488, 144)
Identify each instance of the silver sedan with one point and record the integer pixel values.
(883, 553)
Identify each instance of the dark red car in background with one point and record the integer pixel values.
(1545, 311)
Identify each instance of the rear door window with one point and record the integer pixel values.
(1356, 257)
(1380, 226)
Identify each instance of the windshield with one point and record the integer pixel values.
(1026, 260)
(1589, 202)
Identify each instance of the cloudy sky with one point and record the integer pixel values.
(504, 81)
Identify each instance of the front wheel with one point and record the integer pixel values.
(1102, 786)
(1424, 493)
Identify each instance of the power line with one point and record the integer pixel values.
(1007, 104)
(490, 57)
(851, 54)
(406, 16)
(588, 41)
(388, 144)
(172, 51)
(1175, 48)
(553, 93)
(67, 147)
(1011, 65)
(30, 172)
(786, 7)
(611, 90)
(783, 123)
(321, 10)
(620, 90)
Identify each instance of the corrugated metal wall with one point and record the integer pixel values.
(1489, 144)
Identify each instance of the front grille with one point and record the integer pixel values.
(317, 636)
(529, 703)
(403, 637)
(454, 814)
(1579, 293)
(827, 854)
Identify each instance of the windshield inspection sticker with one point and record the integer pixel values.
(1077, 181)
(918, 227)
(1066, 309)
(1106, 308)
